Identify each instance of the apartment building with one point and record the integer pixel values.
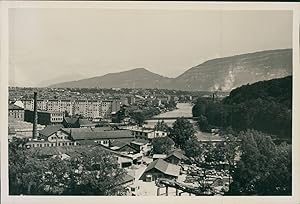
(87, 108)
(44, 117)
(16, 111)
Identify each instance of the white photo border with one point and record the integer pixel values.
(175, 5)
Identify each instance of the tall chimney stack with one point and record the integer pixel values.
(35, 117)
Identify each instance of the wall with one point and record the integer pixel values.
(18, 114)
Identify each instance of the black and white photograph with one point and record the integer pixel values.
(111, 101)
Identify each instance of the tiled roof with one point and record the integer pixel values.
(14, 107)
(164, 167)
(51, 129)
(177, 154)
(21, 125)
(85, 122)
(140, 141)
(70, 120)
(117, 143)
(127, 178)
(159, 156)
(94, 133)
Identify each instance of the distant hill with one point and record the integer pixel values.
(223, 74)
(228, 73)
(135, 78)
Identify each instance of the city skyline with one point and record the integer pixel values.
(70, 47)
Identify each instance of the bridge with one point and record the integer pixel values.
(172, 118)
(163, 182)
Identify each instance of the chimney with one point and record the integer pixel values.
(35, 117)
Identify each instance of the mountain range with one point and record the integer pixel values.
(222, 74)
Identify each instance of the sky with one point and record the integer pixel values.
(50, 45)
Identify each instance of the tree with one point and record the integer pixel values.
(182, 131)
(93, 172)
(203, 124)
(193, 149)
(265, 106)
(138, 117)
(120, 115)
(200, 107)
(264, 168)
(162, 126)
(162, 145)
(96, 172)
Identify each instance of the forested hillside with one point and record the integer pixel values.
(265, 106)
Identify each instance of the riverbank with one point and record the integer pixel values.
(182, 110)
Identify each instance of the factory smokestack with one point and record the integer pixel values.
(35, 117)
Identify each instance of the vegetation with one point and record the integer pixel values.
(193, 149)
(181, 132)
(162, 126)
(257, 165)
(94, 172)
(162, 145)
(264, 106)
(120, 115)
(264, 168)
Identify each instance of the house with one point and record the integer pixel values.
(16, 112)
(143, 145)
(52, 136)
(44, 117)
(146, 133)
(127, 180)
(176, 157)
(101, 135)
(160, 169)
(70, 122)
(158, 156)
(158, 133)
(18, 128)
(124, 147)
(84, 123)
(75, 122)
(57, 135)
(128, 183)
(125, 159)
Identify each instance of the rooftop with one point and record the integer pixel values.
(159, 156)
(97, 133)
(51, 129)
(21, 125)
(85, 122)
(164, 167)
(206, 137)
(71, 120)
(14, 107)
(177, 154)
(140, 142)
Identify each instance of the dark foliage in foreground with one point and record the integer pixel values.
(89, 171)
(264, 168)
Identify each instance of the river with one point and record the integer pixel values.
(183, 110)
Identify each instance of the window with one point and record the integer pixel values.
(157, 134)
